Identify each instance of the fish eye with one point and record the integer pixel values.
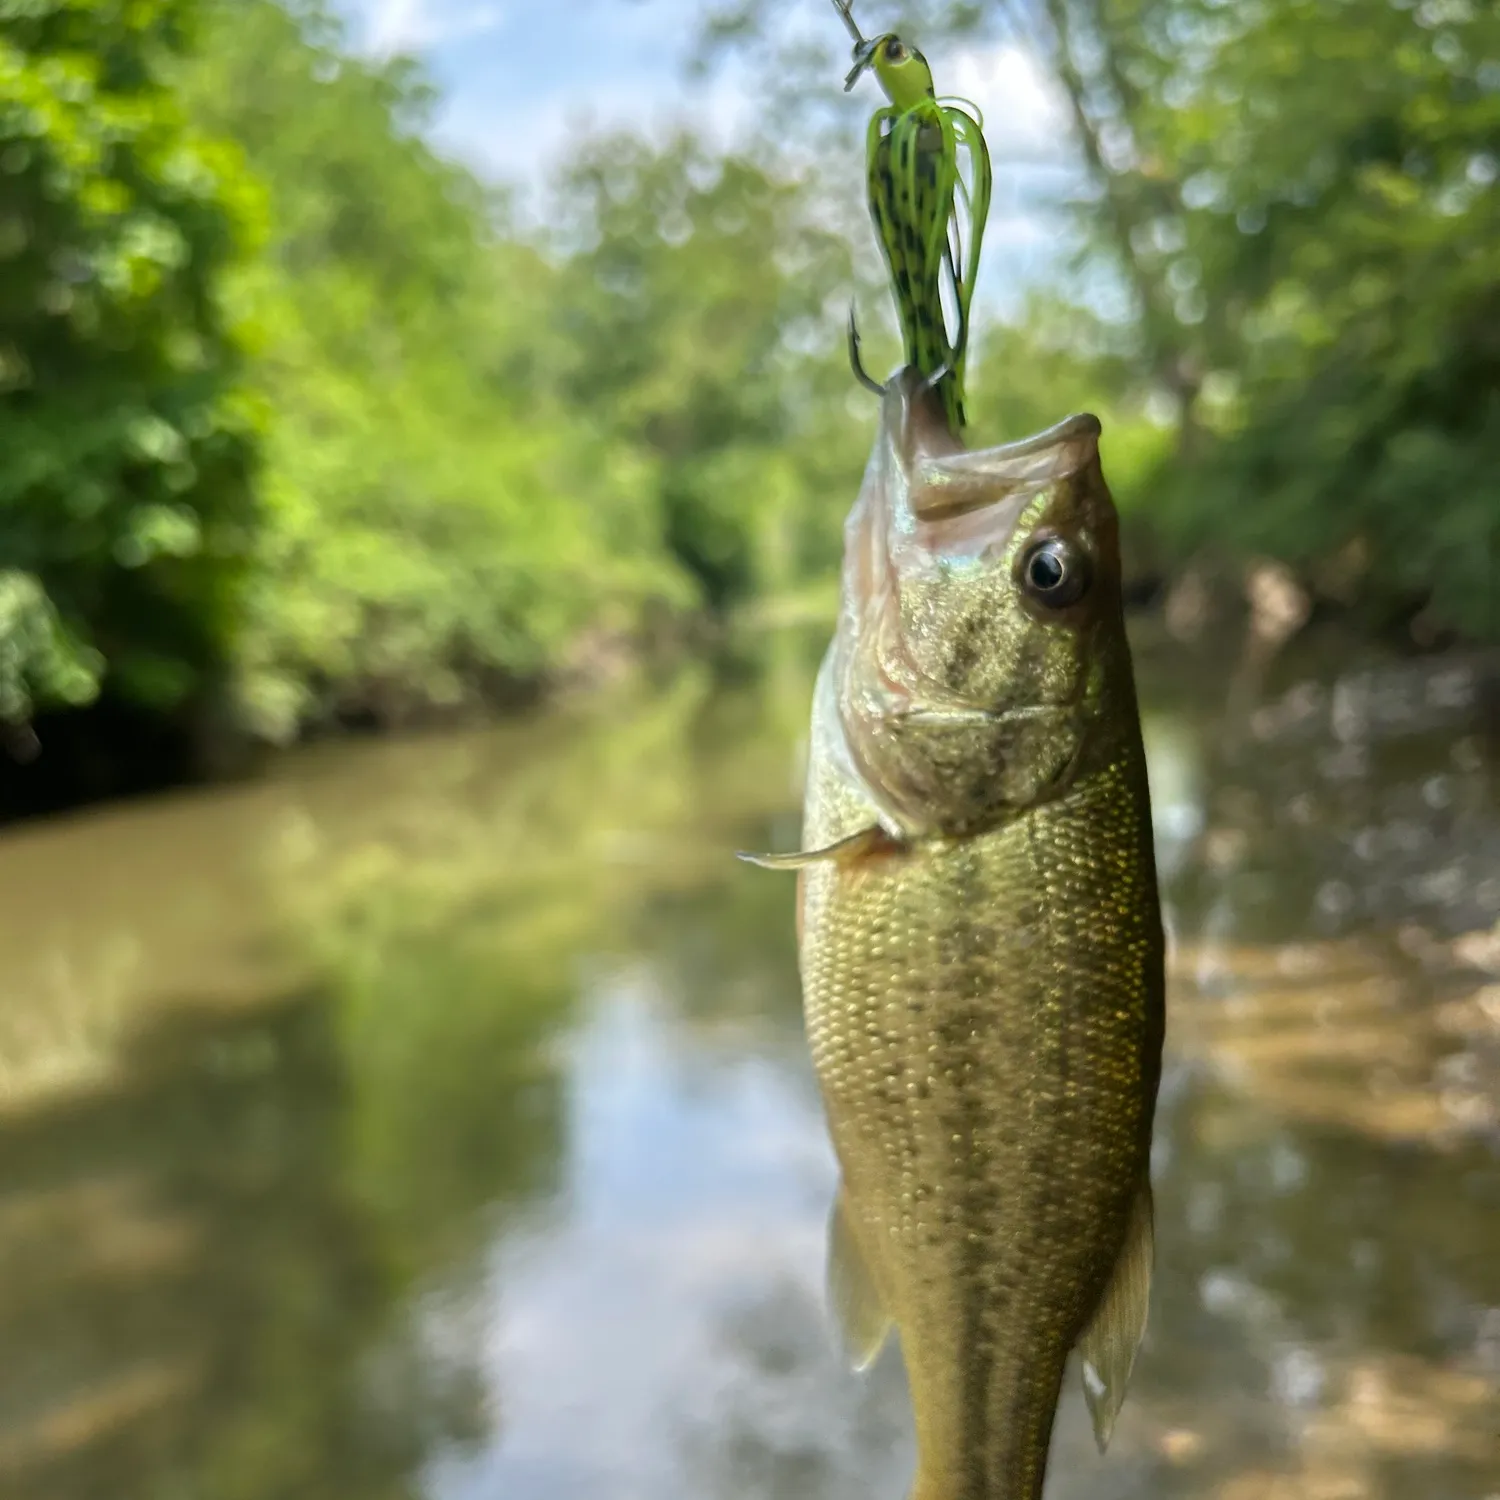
(1055, 572)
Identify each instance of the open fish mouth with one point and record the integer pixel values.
(949, 487)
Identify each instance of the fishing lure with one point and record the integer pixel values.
(915, 185)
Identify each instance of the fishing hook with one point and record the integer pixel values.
(864, 51)
(855, 362)
(845, 8)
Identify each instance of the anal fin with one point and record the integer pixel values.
(1109, 1343)
(862, 1319)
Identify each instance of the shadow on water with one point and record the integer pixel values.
(484, 1157)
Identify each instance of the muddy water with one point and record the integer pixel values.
(432, 1119)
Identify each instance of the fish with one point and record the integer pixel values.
(980, 941)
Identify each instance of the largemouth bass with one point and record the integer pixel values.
(980, 941)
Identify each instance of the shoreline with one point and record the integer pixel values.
(111, 752)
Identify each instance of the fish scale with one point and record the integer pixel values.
(1027, 1123)
(980, 942)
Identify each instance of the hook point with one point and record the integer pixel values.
(856, 363)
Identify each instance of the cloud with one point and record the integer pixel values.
(1024, 111)
(385, 26)
(393, 25)
(523, 81)
(521, 141)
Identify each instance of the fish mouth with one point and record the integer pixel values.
(945, 490)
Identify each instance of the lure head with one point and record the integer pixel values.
(902, 70)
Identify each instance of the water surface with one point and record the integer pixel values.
(433, 1118)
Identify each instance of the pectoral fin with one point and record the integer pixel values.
(1110, 1341)
(871, 840)
(862, 1319)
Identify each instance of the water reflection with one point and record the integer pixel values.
(435, 1120)
(189, 1295)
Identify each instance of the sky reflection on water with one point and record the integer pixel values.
(434, 1119)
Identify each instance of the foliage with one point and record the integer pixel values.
(489, 450)
(1299, 200)
(1339, 216)
(701, 305)
(126, 503)
(290, 394)
(437, 518)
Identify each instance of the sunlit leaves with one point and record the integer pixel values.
(441, 521)
(125, 489)
(37, 649)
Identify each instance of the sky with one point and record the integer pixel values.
(521, 76)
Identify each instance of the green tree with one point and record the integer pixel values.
(127, 511)
(441, 522)
(1340, 244)
(702, 302)
(1299, 201)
